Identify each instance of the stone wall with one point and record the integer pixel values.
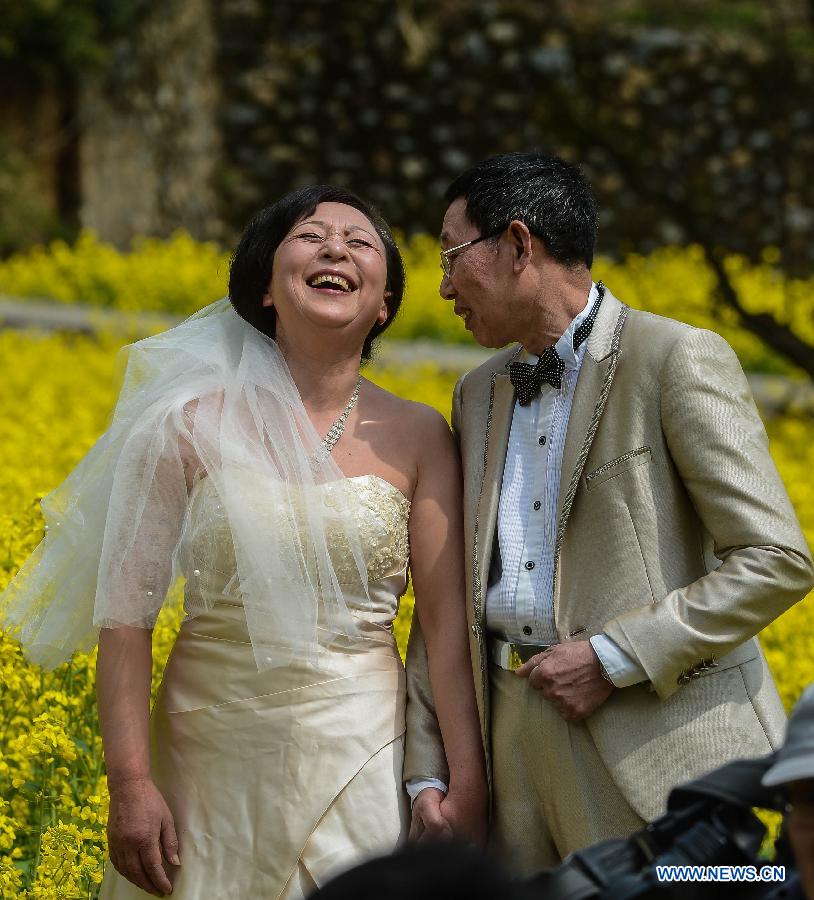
(684, 136)
(209, 110)
(150, 144)
(31, 144)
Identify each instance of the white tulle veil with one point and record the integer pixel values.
(210, 398)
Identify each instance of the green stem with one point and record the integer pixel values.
(39, 838)
(59, 867)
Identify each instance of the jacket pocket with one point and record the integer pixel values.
(623, 463)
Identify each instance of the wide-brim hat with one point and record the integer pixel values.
(794, 761)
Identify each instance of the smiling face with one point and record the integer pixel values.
(329, 275)
(479, 282)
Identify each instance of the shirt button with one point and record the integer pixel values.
(541, 440)
(537, 504)
(529, 565)
(527, 629)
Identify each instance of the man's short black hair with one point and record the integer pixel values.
(549, 195)
(252, 262)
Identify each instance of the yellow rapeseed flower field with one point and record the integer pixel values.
(57, 392)
(181, 275)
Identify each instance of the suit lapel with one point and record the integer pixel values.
(592, 376)
(593, 386)
(498, 426)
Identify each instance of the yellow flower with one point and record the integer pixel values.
(52, 736)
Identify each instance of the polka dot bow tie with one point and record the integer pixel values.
(527, 379)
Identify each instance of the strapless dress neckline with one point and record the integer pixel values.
(382, 481)
(376, 509)
(388, 485)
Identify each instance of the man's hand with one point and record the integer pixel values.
(428, 822)
(570, 677)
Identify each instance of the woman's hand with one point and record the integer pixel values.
(459, 815)
(466, 814)
(140, 829)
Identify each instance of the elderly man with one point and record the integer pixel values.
(627, 531)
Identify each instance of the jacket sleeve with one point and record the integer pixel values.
(424, 755)
(720, 448)
(456, 409)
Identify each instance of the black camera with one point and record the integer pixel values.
(706, 846)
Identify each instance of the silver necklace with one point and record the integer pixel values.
(338, 427)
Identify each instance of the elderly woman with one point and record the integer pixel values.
(249, 455)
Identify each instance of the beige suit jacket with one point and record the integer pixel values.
(675, 537)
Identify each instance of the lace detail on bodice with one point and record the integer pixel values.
(381, 512)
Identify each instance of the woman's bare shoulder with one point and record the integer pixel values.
(208, 400)
(409, 415)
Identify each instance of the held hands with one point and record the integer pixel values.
(140, 828)
(456, 815)
(428, 823)
(570, 677)
(467, 816)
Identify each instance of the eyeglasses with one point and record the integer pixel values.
(448, 255)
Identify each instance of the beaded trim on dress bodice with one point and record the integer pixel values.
(381, 513)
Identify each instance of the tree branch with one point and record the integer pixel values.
(763, 325)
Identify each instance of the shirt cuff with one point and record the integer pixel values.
(622, 670)
(416, 785)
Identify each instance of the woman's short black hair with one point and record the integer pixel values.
(253, 259)
(551, 196)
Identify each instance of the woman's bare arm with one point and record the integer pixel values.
(140, 825)
(437, 567)
(123, 673)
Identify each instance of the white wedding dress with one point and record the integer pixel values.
(278, 779)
